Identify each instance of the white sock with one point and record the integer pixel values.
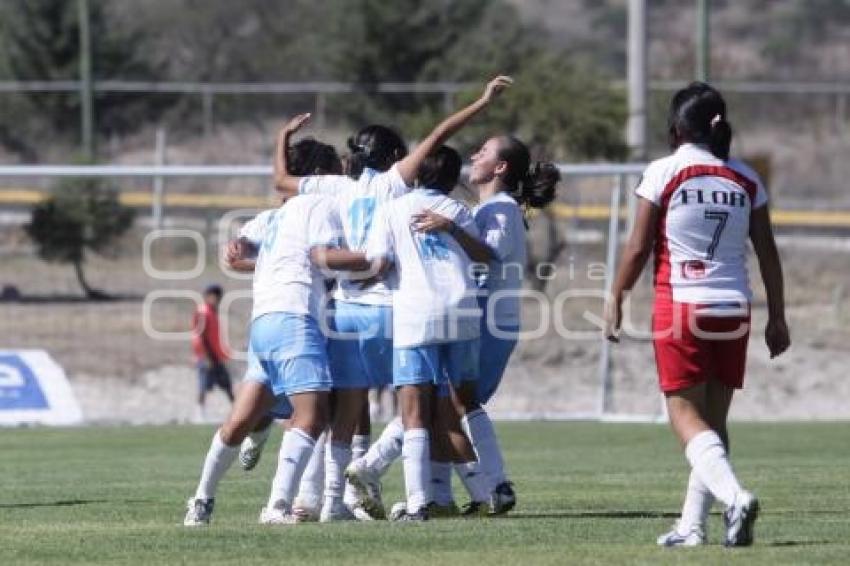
(707, 456)
(359, 446)
(387, 448)
(474, 480)
(441, 483)
(416, 454)
(219, 458)
(260, 436)
(698, 501)
(295, 451)
(479, 429)
(312, 486)
(337, 458)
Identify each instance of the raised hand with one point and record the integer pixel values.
(495, 87)
(295, 123)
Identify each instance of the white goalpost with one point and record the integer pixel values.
(621, 209)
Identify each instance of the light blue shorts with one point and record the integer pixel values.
(497, 352)
(288, 354)
(255, 372)
(360, 345)
(450, 362)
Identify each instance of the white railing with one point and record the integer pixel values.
(623, 172)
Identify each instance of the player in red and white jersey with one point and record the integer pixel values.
(696, 211)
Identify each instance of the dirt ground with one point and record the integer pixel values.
(122, 374)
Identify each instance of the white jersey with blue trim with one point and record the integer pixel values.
(435, 296)
(255, 229)
(358, 202)
(285, 280)
(500, 221)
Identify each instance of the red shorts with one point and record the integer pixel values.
(693, 344)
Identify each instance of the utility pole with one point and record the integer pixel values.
(636, 133)
(86, 95)
(703, 55)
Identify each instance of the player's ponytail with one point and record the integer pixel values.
(720, 137)
(376, 147)
(537, 188)
(532, 186)
(698, 115)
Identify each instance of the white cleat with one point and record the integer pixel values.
(335, 510)
(695, 536)
(740, 518)
(250, 452)
(279, 514)
(198, 512)
(306, 511)
(367, 487)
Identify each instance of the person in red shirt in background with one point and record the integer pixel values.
(210, 353)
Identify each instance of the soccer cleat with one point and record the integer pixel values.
(198, 512)
(399, 514)
(503, 498)
(437, 511)
(304, 512)
(475, 509)
(278, 514)
(695, 536)
(335, 510)
(367, 487)
(740, 518)
(250, 452)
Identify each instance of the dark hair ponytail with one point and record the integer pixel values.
(376, 147)
(530, 185)
(698, 115)
(537, 189)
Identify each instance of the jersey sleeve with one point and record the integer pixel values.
(761, 192)
(324, 227)
(380, 243)
(255, 229)
(327, 185)
(652, 183)
(392, 184)
(493, 226)
(464, 220)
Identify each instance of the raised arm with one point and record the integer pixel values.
(285, 183)
(632, 262)
(409, 166)
(761, 234)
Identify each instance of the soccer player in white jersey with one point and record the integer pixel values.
(436, 319)
(697, 208)
(256, 404)
(361, 329)
(506, 182)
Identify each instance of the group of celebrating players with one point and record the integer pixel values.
(370, 275)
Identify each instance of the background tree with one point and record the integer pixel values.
(39, 40)
(81, 215)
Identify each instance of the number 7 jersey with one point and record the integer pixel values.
(703, 225)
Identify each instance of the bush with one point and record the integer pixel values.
(80, 215)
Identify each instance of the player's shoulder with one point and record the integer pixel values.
(500, 204)
(743, 169)
(664, 168)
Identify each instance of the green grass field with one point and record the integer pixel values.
(589, 493)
